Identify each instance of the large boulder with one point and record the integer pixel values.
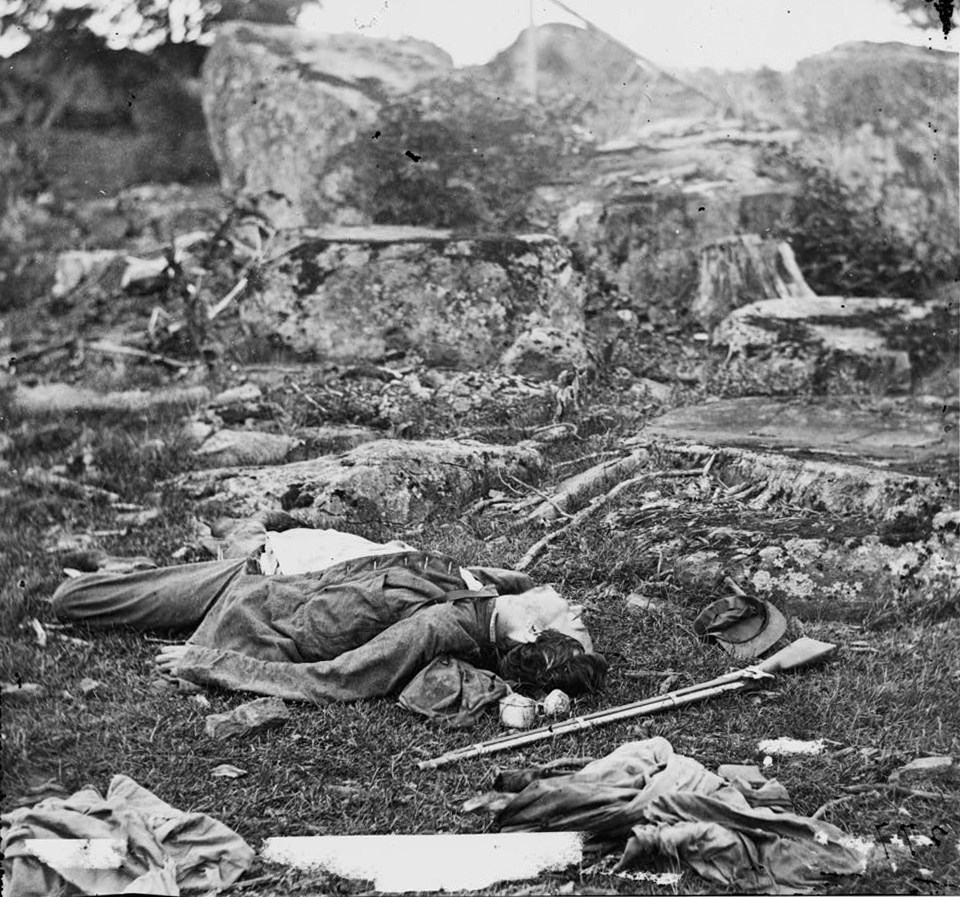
(884, 118)
(809, 342)
(281, 105)
(387, 485)
(357, 293)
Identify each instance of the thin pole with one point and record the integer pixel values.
(532, 56)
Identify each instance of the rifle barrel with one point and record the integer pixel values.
(579, 723)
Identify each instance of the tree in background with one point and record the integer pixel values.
(928, 13)
(140, 24)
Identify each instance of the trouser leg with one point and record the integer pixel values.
(162, 599)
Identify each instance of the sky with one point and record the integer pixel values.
(677, 34)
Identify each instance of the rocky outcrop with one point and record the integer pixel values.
(788, 344)
(281, 104)
(620, 91)
(359, 293)
(389, 485)
(884, 118)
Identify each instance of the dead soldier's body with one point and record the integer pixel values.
(361, 623)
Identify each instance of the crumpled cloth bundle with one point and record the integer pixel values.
(453, 692)
(167, 850)
(668, 805)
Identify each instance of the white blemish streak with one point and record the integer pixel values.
(782, 746)
(398, 863)
(664, 879)
(78, 853)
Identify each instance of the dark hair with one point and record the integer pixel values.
(554, 660)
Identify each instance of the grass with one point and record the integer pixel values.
(351, 769)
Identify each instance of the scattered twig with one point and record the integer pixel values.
(34, 354)
(590, 457)
(107, 348)
(542, 495)
(830, 804)
(595, 504)
(238, 288)
(292, 383)
(895, 788)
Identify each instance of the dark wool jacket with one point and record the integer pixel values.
(359, 629)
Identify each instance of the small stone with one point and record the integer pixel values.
(248, 719)
(22, 691)
(652, 390)
(701, 569)
(643, 604)
(186, 687)
(88, 686)
(226, 771)
(194, 432)
(201, 701)
(924, 768)
(246, 392)
(232, 448)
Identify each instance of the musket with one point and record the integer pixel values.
(799, 654)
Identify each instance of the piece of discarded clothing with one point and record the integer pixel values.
(453, 691)
(303, 550)
(742, 625)
(755, 787)
(668, 805)
(163, 850)
(361, 628)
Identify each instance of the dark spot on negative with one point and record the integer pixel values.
(412, 156)
(376, 136)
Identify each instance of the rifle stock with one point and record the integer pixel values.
(800, 653)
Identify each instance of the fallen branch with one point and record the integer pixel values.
(895, 788)
(595, 504)
(62, 398)
(107, 348)
(43, 479)
(550, 501)
(580, 485)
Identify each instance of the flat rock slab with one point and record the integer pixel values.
(231, 448)
(247, 719)
(908, 437)
(356, 294)
(784, 345)
(388, 483)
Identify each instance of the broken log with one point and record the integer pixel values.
(62, 398)
(581, 486)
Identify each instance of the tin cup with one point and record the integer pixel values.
(517, 712)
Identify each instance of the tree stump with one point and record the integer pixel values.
(738, 270)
